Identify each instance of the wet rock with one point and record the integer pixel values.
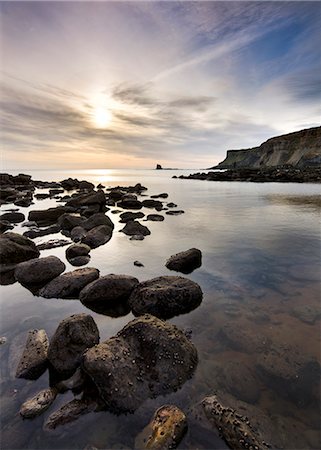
(307, 314)
(239, 380)
(171, 205)
(127, 216)
(165, 297)
(69, 413)
(165, 431)
(116, 195)
(108, 291)
(291, 374)
(137, 237)
(53, 243)
(149, 203)
(73, 336)
(135, 228)
(46, 217)
(15, 248)
(77, 234)
(100, 186)
(13, 217)
(176, 212)
(234, 428)
(130, 203)
(97, 236)
(163, 195)
(69, 284)
(39, 271)
(32, 234)
(42, 196)
(69, 221)
(155, 217)
(75, 383)
(97, 219)
(77, 250)
(138, 264)
(5, 226)
(33, 362)
(88, 199)
(185, 262)
(38, 404)
(147, 358)
(79, 260)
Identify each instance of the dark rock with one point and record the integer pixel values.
(238, 379)
(77, 234)
(97, 236)
(73, 336)
(165, 297)
(127, 216)
(164, 195)
(133, 227)
(185, 262)
(165, 431)
(53, 243)
(55, 191)
(176, 212)
(69, 412)
(32, 234)
(152, 204)
(38, 404)
(100, 186)
(5, 226)
(69, 221)
(69, 284)
(171, 205)
(153, 357)
(33, 362)
(79, 260)
(72, 183)
(116, 195)
(138, 264)
(13, 217)
(39, 271)
(108, 291)
(96, 220)
(77, 250)
(15, 248)
(158, 167)
(46, 217)
(24, 201)
(88, 199)
(130, 204)
(137, 237)
(42, 196)
(155, 217)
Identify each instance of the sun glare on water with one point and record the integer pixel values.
(102, 117)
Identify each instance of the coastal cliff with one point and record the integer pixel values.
(299, 149)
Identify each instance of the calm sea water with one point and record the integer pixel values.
(261, 282)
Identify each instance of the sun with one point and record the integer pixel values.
(102, 117)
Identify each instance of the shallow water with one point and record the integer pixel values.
(261, 282)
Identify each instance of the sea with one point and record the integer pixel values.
(257, 330)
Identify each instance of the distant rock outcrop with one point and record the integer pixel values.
(158, 167)
(299, 149)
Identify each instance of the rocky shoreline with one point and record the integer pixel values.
(264, 175)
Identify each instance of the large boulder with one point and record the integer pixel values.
(185, 262)
(73, 336)
(97, 219)
(97, 236)
(88, 199)
(39, 271)
(15, 248)
(33, 361)
(69, 221)
(46, 217)
(165, 297)
(69, 284)
(13, 217)
(165, 431)
(135, 228)
(109, 291)
(147, 358)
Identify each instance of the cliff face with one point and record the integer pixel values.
(299, 149)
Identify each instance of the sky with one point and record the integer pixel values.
(132, 84)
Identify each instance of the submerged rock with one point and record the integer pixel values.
(69, 412)
(38, 404)
(33, 361)
(138, 264)
(135, 228)
(69, 284)
(165, 431)
(155, 217)
(73, 336)
(185, 262)
(97, 236)
(39, 271)
(176, 212)
(107, 292)
(15, 248)
(165, 297)
(79, 260)
(147, 358)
